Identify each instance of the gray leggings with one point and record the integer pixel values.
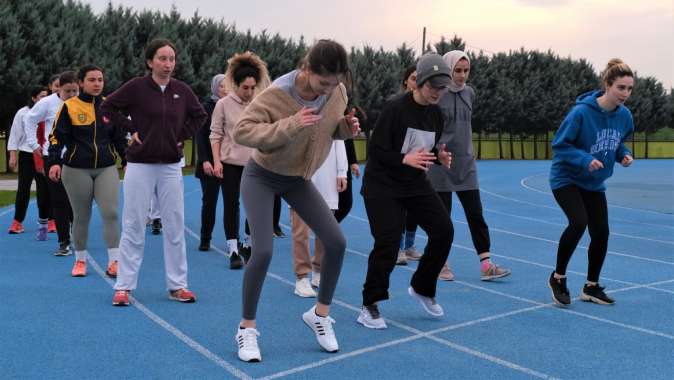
(258, 187)
(85, 185)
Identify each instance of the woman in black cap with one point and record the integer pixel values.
(402, 148)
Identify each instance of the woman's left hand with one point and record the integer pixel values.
(627, 160)
(353, 122)
(341, 184)
(444, 156)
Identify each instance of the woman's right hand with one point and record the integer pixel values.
(135, 137)
(595, 165)
(308, 117)
(217, 169)
(12, 160)
(208, 168)
(55, 173)
(420, 159)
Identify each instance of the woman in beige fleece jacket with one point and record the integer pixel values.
(292, 125)
(247, 75)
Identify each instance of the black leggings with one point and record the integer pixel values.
(63, 214)
(26, 175)
(345, 200)
(472, 208)
(583, 208)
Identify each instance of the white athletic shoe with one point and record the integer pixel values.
(246, 339)
(322, 327)
(369, 317)
(428, 303)
(315, 279)
(402, 258)
(303, 288)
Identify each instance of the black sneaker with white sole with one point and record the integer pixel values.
(560, 293)
(595, 293)
(235, 261)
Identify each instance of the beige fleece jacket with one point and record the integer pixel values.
(270, 125)
(226, 113)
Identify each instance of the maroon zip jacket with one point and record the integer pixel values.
(162, 119)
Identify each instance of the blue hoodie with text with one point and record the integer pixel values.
(589, 132)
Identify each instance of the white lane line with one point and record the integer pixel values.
(523, 184)
(548, 241)
(222, 363)
(537, 220)
(530, 301)
(422, 334)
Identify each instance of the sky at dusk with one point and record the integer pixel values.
(639, 32)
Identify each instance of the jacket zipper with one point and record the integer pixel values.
(95, 146)
(72, 154)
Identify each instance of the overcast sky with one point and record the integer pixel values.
(640, 32)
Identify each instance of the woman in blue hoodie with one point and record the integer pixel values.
(589, 142)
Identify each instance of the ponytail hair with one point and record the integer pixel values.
(615, 69)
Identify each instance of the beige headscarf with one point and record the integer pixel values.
(451, 59)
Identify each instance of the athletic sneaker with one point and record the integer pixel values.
(369, 317)
(402, 258)
(42, 232)
(595, 293)
(235, 261)
(16, 228)
(428, 303)
(322, 327)
(303, 288)
(560, 293)
(112, 269)
(156, 226)
(492, 272)
(315, 279)
(64, 249)
(182, 295)
(204, 244)
(278, 232)
(121, 298)
(246, 339)
(412, 254)
(79, 269)
(446, 273)
(244, 251)
(51, 226)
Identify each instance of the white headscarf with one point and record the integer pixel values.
(215, 84)
(451, 60)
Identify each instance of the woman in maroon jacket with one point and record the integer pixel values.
(163, 112)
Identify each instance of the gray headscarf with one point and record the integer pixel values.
(451, 59)
(215, 83)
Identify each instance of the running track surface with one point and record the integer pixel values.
(57, 327)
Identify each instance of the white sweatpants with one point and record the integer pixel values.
(140, 182)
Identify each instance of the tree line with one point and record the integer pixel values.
(521, 93)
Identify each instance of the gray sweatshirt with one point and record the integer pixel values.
(457, 108)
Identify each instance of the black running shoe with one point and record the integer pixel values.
(205, 244)
(156, 226)
(235, 261)
(595, 293)
(278, 232)
(560, 293)
(64, 249)
(244, 251)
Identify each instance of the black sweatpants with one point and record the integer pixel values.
(387, 217)
(472, 208)
(61, 210)
(345, 201)
(210, 191)
(26, 175)
(583, 209)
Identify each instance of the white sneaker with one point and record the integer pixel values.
(315, 279)
(402, 258)
(369, 317)
(427, 303)
(246, 339)
(303, 288)
(322, 327)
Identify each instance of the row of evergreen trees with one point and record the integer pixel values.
(521, 93)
